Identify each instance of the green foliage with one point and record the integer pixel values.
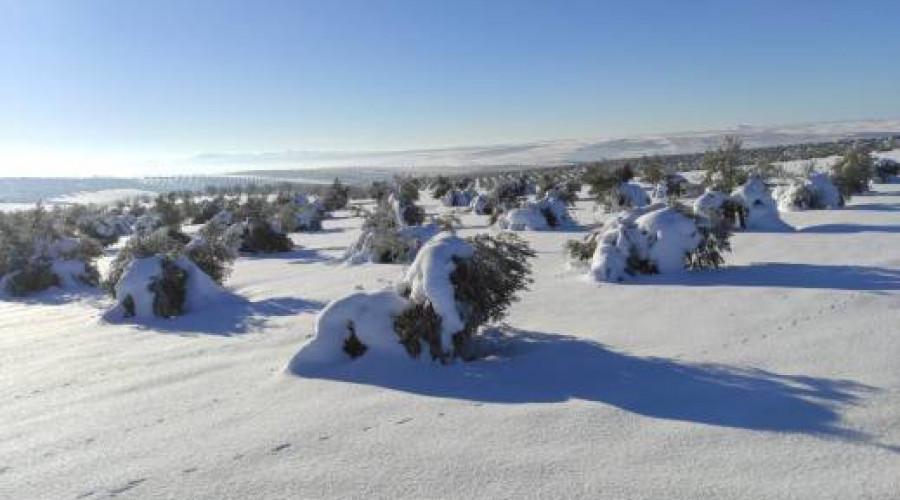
(420, 325)
(723, 165)
(715, 233)
(141, 246)
(34, 276)
(261, 237)
(652, 170)
(486, 285)
(379, 191)
(440, 187)
(852, 173)
(581, 250)
(336, 196)
(407, 190)
(169, 290)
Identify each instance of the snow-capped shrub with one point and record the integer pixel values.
(147, 223)
(214, 249)
(885, 170)
(446, 222)
(815, 193)
(164, 286)
(386, 238)
(412, 214)
(546, 213)
(482, 204)
(293, 217)
(660, 192)
(440, 186)
(140, 246)
(757, 204)
(336, 196)
(453, 287)
(260, 236)
(208, 210)
(716, 205)
(630, 195)
(658, 240)
(38, 251)
(458, 197)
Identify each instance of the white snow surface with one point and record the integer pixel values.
(774, 377)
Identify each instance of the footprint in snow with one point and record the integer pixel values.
(280, 448)
(127, 486)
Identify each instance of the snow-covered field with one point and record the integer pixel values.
(776, 377)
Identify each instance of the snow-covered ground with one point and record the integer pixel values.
(776, 377)
(102, 197)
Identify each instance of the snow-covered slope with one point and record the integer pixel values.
(776, 377)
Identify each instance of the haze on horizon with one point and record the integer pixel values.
(130, 87)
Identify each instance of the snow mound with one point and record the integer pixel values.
(136, 282)
(817, 192)
(759, 206)
(371, 318)
(632, 195)
(547, 213)
(659, 240)
(709, 203)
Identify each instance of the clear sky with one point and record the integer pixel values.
(86, 86)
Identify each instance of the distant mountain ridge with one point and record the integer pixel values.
(550, 152)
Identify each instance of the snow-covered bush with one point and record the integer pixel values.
(815, 193)
(458, 197)
(336, 196)
(756, 202)
(720, 206)
(261, 236)
(546, 213)
(299, 216)
(37, 252)
(886, 170)
(482, 204)
(440, 186)
(164, 286)
(465, 283)
(614, 189)
(214, 249)
(386, 238)
(630, 195)
(656, 240)
(453, 287)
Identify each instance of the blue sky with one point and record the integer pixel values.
(88, 85)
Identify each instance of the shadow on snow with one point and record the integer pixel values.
(233, 315)
(783, 275)
(533, 367)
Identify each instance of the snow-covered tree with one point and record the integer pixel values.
(655, 240)
(452, 288)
